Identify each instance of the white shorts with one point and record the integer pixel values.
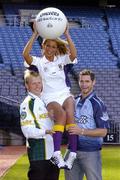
(58, 97)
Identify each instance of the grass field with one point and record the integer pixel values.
(110, 166)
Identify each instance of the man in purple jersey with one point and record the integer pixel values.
(92, 124)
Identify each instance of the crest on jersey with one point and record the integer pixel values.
(105, 116)
(82, 119)
(60, 66)
(45, 69)
(23, 115)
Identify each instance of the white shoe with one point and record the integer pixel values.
(57, 160)
(70, 160)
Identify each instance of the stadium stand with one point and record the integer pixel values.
(95, 32)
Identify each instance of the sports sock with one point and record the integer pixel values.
(72, 139)
(57, 136)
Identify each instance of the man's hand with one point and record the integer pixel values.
(76, 130)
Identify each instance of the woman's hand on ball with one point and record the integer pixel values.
(35, 30)
(67, 30)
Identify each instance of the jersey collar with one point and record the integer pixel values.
(87, 97)
(33, 96)
(47, 61)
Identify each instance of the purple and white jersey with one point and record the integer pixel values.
(52, 73)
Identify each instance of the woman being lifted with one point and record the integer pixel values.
(56, 95)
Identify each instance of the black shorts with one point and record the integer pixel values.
(43, 170)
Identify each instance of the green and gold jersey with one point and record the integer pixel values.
(34, 122)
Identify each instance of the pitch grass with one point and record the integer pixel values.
(110, 166)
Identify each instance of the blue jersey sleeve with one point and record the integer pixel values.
(100, 113)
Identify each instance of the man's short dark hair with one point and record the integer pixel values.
(88, 72)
